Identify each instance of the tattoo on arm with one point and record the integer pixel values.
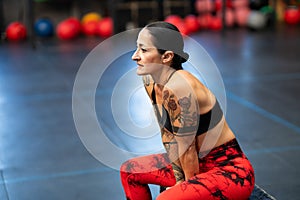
(183, 115)
(187, 116)
(168, 145)
(178, 173)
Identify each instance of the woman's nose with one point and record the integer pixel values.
(135, 56)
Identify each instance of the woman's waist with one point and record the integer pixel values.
(224, 152)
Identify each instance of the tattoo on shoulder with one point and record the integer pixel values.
(186, 116)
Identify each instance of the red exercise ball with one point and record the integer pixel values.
(183, 28)
(16, 31)
(219, 4)
(229, 17)
(177, 21)
(292, 16)
(241, 16)
(90, 28)
(203, 6)
(191, 23)
(105, 27)
(174, 19)
(240, 4)
(68, 29)
(76, 23)
(216, 24)
(204, 21)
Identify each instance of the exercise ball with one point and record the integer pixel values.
(44, 27)
(256, 20)
(75, 23)
(240, 4)
(67, 29)
(219, 4)
(16, 31)
(91, 16)
(203, 6)
(90, 28)
(176, 20)
(292, 15)
(229, 17)
(182, 27)
(191, 23)
(216, 24)
(204, 21)
(241, 16)
(105, 27)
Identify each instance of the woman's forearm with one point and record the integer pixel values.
(178, 172)
(189, 162)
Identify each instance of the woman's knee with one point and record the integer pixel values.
(124, 167)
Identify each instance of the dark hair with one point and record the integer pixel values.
(166, 37)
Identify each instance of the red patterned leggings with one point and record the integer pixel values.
(225, 174)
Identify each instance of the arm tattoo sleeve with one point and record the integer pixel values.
(178, 172)
(182, 112)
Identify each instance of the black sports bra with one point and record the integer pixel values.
(207, 120)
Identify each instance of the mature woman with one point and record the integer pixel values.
(203, 159)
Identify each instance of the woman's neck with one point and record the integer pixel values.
(163, 76)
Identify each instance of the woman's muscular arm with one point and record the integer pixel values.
(183, 111)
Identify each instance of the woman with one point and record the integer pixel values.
(203, 159)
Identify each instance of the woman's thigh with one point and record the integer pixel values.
(150, 169)
(221, 183)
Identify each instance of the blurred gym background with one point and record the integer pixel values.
(22, 19)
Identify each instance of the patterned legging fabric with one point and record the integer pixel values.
(225, 174)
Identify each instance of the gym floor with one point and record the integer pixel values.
(43, 157)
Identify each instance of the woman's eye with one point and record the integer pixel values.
(143, 50)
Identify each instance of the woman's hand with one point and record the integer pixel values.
(177, 183)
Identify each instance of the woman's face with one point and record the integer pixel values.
(148, 59)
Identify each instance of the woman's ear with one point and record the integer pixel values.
(167, 57)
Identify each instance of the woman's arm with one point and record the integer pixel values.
(171, 147)
(182, 108)
(188, 157)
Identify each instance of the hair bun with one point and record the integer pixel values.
(184, 57)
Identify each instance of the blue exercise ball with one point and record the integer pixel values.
(44, 27)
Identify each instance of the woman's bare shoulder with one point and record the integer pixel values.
(184, 83)
(184, 80)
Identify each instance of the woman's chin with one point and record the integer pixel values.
(140, 72)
